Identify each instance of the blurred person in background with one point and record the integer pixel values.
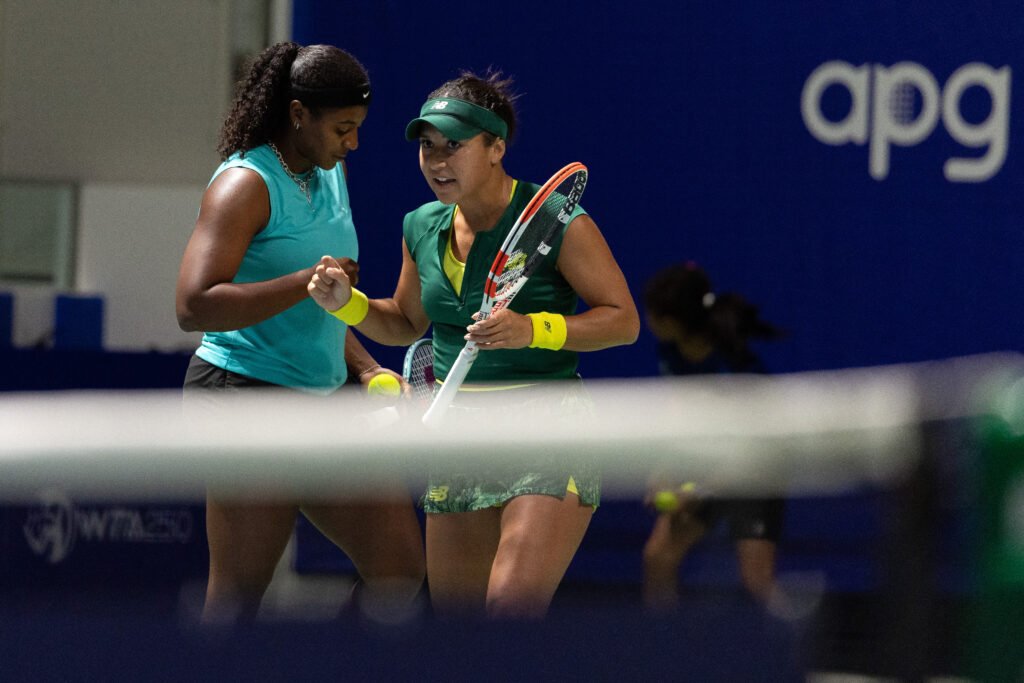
(701, 332)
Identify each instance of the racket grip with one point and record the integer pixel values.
(446, 394)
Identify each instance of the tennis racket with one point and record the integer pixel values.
(526, 245)
(418, 370)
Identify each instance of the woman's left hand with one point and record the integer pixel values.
(367, 376)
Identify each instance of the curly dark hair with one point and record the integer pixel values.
(491, 91)
(260, 107)
(683, 292)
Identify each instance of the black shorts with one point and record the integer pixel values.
(209, 390)
(748, 518)
(203, 375)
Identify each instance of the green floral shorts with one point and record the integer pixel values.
(492, 485)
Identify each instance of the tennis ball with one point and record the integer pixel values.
(666, 501)
(384, 385)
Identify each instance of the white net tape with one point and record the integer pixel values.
(803, 432)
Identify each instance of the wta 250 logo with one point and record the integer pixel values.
(56, 524)
(901, 105)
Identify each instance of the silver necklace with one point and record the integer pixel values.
(302, 181)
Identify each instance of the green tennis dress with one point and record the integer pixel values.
(496, 375)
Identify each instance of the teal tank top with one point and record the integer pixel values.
(426, 236)
(301, 347)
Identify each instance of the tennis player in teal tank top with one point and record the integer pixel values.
(498, 540)
(276, 204)
(299, 347)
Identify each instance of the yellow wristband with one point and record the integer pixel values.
(548, 331)
(354, 312)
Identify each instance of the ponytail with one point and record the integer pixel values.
(260, 106)
(732, 323)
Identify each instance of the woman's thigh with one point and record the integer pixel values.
(539, 537)
(246, 541)
(382, 537)
(460, 551)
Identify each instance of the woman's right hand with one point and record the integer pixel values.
(331, 285)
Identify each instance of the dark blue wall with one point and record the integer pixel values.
(688, 115)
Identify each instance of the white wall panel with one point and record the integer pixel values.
(137, 234)
(112, 90)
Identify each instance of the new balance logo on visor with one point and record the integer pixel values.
(440, 105)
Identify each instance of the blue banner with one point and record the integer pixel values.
(88, 550)
(853, 168)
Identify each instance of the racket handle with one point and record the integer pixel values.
(446, 394)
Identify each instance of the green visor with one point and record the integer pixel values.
(456, 119)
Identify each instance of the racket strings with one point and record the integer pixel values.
(421, 372)
(530, 247)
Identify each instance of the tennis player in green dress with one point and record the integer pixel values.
(499, 539)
